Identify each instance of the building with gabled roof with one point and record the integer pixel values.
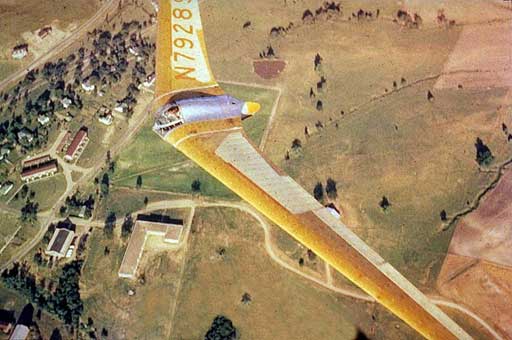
(77, 145)
(36, 161)
(60, 242)
(40, 170)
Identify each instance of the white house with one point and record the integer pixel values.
(150, 80)
(25, 134)
(20, 51)
(134, 50)
(6, 188)
(20, 332)
(43, 119)
(88, 87)
(120, 107)
(106, 119)
(66, 102)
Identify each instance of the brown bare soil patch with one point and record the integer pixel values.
(484, 287)
(481, 58)
(268, 69)
(485, 233)
(478, 267)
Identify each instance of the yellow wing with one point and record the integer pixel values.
(222, 149)
(181, 59)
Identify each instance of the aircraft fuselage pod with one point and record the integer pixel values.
(198, 109)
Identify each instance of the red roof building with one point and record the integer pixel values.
(36, 161)
(77, 144)
(41, 170)
(44, 32)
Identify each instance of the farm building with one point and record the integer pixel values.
(20, 51)
(44, 32)
(148, 225)
(77, 145)
(60, 242)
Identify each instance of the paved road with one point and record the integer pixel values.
(84, 28)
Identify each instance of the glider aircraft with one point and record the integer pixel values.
(194, 114)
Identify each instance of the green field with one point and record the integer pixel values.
(8, 225)
(164, 168)
(122, 201)
(7, 68)
(25, 234)
(48, 190)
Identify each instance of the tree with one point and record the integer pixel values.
(443, 216)
(105, 184)
(318, 191)
(330, 188)
(246, 298)
(127, 226)
(67, 301)
(319, 105)
(318, 61)
(24, 191)
(110, 224)
(29, 212)
(296, 144)
(139, 182)
(483, 154)
(384, 203)
(221, 329)
(196, 186)
(430, 96)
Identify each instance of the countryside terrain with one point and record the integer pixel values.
(401, 110)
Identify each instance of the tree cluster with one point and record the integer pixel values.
(110, 224)
(74, 205)
(62, 301)
(222, 329)
(484, 155)
(28, 213)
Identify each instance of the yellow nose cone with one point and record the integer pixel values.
(250, 108)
